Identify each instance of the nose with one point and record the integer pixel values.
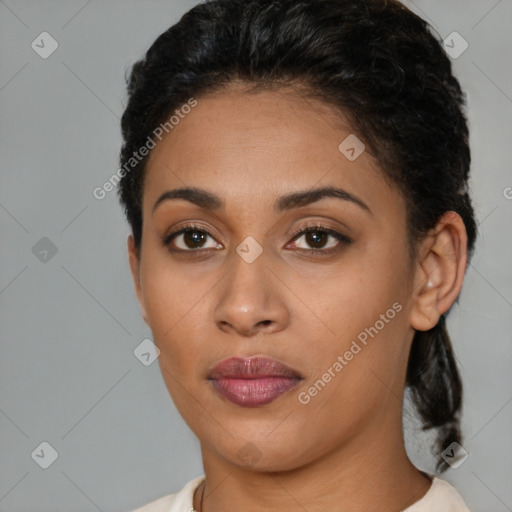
(251, 299)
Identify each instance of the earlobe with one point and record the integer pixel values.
(440, 271)
(134, 261)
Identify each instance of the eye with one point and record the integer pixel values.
(192, 237)
(317, 237)
(189, 238)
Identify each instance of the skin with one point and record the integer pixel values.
(344, 449)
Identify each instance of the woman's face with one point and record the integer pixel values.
(334, 309)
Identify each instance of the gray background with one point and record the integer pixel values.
(69, 325)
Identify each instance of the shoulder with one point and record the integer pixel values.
(441, 497)
(178, 501)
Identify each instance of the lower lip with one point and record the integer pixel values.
(254, 392)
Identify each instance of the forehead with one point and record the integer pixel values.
(255, 145)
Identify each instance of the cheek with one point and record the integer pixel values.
(169, 292)
(354, 295)
(172, 305)
(363, 306)
(352, 381)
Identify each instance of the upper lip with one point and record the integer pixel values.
(256, 367)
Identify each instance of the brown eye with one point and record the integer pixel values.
(316, 239)
(189, 239)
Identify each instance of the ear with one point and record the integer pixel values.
(134, 260)
(440, 271)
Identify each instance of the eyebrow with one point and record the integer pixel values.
(209, 201)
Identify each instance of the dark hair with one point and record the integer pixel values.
(378, 64)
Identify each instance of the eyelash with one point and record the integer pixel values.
(305, 230)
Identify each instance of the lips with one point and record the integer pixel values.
(252, 368)
(254, 381)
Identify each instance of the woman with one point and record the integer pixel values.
(295, 178)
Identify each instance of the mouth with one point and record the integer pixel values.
(253, 382)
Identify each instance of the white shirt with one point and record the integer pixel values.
(441, 497)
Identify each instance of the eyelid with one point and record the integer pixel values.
(316, 225)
